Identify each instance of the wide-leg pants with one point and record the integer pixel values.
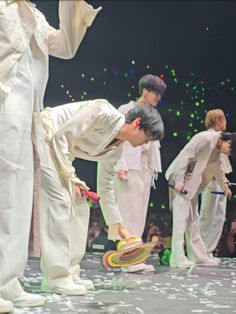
(186, 222)
(63, 235)
(133, 197)
(212, 215)
(16, 184)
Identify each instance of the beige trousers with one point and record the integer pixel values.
(212, 215)
(63, 235)
(133, 197)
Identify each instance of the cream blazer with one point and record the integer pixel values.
(85, 130)
(75, 16)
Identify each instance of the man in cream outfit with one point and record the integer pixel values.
(139, 167)
(91, 130)
(26, 42)
(213, 206)
(195, 166)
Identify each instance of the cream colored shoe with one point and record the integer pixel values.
(207, 261)
(69, 288)
(6, 306)
(138, 268)
(184, 263)
(217, 259)
(88, 284)
(14, 292)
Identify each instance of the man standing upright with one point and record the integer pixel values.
(27, 40)
(213, 206)
(139, 167)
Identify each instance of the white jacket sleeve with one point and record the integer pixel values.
(75, 17)
(106, 188)
(121, 164)
(224, 168)
(64, 139)
(221, 179)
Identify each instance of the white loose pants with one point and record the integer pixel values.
(186, 222)
(212, 215)
(16, 181)
(133, 197)
(63, 235)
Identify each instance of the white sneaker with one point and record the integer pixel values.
(14, 292)
(69, 288)
(88, 284)
(6, 306)
(182, 264)
(138, 268)
(217, 259)
(207, 261)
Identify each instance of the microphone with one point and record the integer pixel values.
(183, 191)
(216, 192)
(92, 196)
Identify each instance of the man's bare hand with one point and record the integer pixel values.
(81, 188)
(228, 193)
(123, 175)
(179, 188)
(124, 233)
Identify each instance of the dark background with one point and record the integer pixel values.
(191, 45)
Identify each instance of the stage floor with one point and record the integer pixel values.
(168, 290)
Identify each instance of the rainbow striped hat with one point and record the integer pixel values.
(129, 252)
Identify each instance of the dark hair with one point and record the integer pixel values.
(227, 136)
(150, 120)
(151, 83)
